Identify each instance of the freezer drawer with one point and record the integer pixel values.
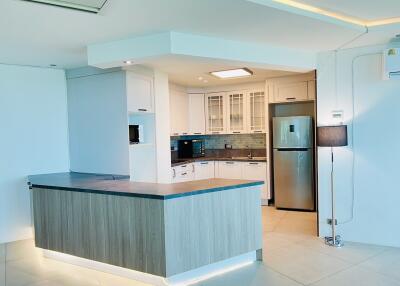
(292, 132)
(293, 179)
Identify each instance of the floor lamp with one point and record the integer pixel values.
(332, 136)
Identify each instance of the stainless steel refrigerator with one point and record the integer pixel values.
(293, 162)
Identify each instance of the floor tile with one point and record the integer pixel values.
(351, 252)
(257, 274)
(21, 249)
(387, 262)
(2, 274)
(303, 264)
(2, 252)
(357, 276)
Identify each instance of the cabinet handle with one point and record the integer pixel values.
(193, 168)
(290, 98)
(253, 163)
(176, 133)
(183, 174)
(174, 173)
(197, 133)
(183, 166)
(204, 163)
(230, 163)
(215, 132)
(184, 133)
(236, 132)
(257, 131)
(142, 109)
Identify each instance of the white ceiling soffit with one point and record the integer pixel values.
(353, 14)
(93, 6)
(139, 49)
(195, 71)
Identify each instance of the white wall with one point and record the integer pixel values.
(374, 146)
(98, 122)
(33, 140)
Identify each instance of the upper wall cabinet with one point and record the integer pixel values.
(256, 105)
(292, 88)
(197, 117)
(179, 112)
(215, 113)
(140, 93)
(236, 112)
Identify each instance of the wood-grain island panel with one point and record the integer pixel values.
(211, 227)
(122, 231)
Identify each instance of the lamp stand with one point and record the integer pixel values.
(334, 240)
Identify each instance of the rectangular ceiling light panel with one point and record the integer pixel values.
(93, 6)
(235, 73)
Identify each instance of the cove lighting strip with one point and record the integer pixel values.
(72, 5)
(337, 16)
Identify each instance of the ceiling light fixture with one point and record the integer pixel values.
(200, 78)
(128, 62)
(233, 73)
(92, 6)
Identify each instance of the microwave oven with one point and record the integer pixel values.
(190, 148)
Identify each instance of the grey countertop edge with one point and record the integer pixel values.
(203, 159)
(150, 196)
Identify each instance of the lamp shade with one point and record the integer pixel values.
(332, 136)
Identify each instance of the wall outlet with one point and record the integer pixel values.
(228, 146)
(329, 221)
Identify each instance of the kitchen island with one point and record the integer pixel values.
(159, 229)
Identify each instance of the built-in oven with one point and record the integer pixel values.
(191, 148)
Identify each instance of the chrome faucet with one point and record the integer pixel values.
(250, 155)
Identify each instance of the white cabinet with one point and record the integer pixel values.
(280, 92)
(256, 171)
(197, 116)
(215, 113)
(256, 105)
(140, 94)
(203, 170)
(229, 170)
(179, 112)
(236, 112)
(183, 173)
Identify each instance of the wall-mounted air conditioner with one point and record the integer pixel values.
(391, 63)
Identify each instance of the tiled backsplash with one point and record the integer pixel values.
(238, 141)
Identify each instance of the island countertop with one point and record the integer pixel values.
(122, 186)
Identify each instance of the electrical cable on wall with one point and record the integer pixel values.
(353, 114)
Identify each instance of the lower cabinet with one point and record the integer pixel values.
(183, 173)
(229, 170)
(203, 170)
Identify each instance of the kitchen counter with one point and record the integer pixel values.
(202, 159)
(122, 186)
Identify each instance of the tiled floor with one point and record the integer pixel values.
(293, 255)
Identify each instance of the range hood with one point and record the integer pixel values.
(92, 6)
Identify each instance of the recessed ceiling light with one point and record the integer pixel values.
(234, 73)
(93, 6)
(205, 81)
(200, 78)
(128, 62)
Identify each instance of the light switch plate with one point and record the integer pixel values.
(337, 116)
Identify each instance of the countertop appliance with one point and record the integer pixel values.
(193, 148)
(293, 162)
(134, 134)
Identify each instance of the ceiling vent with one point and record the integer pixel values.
(92, 6)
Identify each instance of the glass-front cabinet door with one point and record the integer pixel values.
(215, 113)
(256, 111)
(236, 112)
